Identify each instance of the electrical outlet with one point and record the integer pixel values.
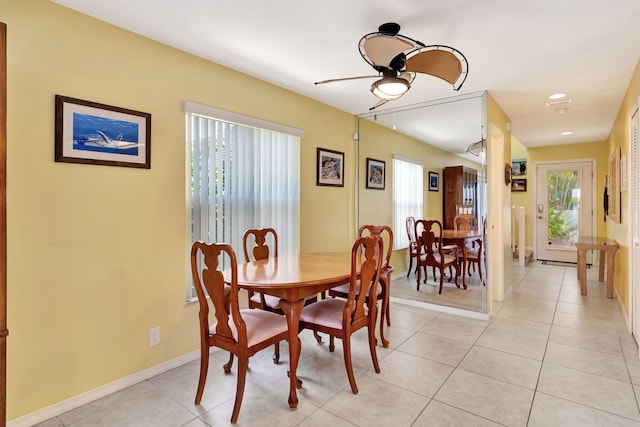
(154, 336)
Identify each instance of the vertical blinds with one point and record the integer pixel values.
(408, 191)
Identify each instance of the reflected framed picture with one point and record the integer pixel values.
(518, 184)
(330, 168)
(375, 174)
(518, 167)
(434, 181)
(92, 133)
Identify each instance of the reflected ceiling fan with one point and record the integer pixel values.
(398, 58)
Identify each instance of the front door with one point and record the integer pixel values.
(564, 208)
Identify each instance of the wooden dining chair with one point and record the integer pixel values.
(261, 250)
(242, 333)
(413, 242)
(340, 318)
(469, 222)
(431, 251)
(383, 288)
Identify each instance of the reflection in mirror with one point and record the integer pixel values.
(435, 137)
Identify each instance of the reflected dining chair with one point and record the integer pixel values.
(413, 242)
(383, 288)
(431, 252)
(473, 250)
(242, 333)
(341, 318)
(261, 250)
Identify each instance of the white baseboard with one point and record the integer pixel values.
(91, 395)
(442, 308)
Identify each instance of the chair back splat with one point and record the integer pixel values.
(240, 332)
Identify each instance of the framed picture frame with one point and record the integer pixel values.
(330, 168)
(375, 174)
(518, 185)
(92, 133)
(434, 181)
(518, 167)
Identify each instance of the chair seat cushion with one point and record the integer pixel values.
(344, 289)
(448, 259)
(261, 325)
(326, 312)
(274, 302)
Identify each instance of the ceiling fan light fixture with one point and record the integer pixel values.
(389, 88)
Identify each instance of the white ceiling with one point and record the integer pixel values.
(520, 51)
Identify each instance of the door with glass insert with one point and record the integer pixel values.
(564, 208)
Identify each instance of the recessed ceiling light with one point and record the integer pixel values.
(559, 101)
(566, 133)
(557, 95)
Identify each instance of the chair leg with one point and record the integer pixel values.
(332, 344)
(385, 342)
(243, 363)
(442, 277)
(480, 270)
(346, 350)
(276, 353)
(318, 337)
(204, 368)
(419, 270)
(372, 348)
(227, 366)
(410, 264)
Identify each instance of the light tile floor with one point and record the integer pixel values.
(549, 357)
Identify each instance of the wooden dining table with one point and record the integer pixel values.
(293, 278)
(460, 238)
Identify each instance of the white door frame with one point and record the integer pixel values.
(634, 215)
(593, 195)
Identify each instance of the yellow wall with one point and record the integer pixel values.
(619, 138)
(499, 202)
(381, 143)
(97, 254)
(589, 150)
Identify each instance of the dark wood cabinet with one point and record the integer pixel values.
(460, 193)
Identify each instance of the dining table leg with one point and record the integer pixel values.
(292, 311)
(463, 248)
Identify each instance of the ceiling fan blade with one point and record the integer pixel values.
(439, 61)
(345, 79)
(378, 104)
(380, 49)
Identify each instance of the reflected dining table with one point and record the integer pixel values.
(460, 238)
(292, 278)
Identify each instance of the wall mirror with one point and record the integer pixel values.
(437, 135)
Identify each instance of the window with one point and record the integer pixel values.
(241, 177)
(408, 194)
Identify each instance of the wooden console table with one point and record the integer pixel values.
(605, 246)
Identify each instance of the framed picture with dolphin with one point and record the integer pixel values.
(92, 133)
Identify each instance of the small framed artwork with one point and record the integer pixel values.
(518, 167)
(434, 181)
(519, 184)
(375, 174)
(99, 134)
(330, 168)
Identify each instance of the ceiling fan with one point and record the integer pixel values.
(397, 59)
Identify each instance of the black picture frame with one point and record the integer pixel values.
(434, 181)
(375, 174)
(330, 168)
(99, 134)
(518, 185)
